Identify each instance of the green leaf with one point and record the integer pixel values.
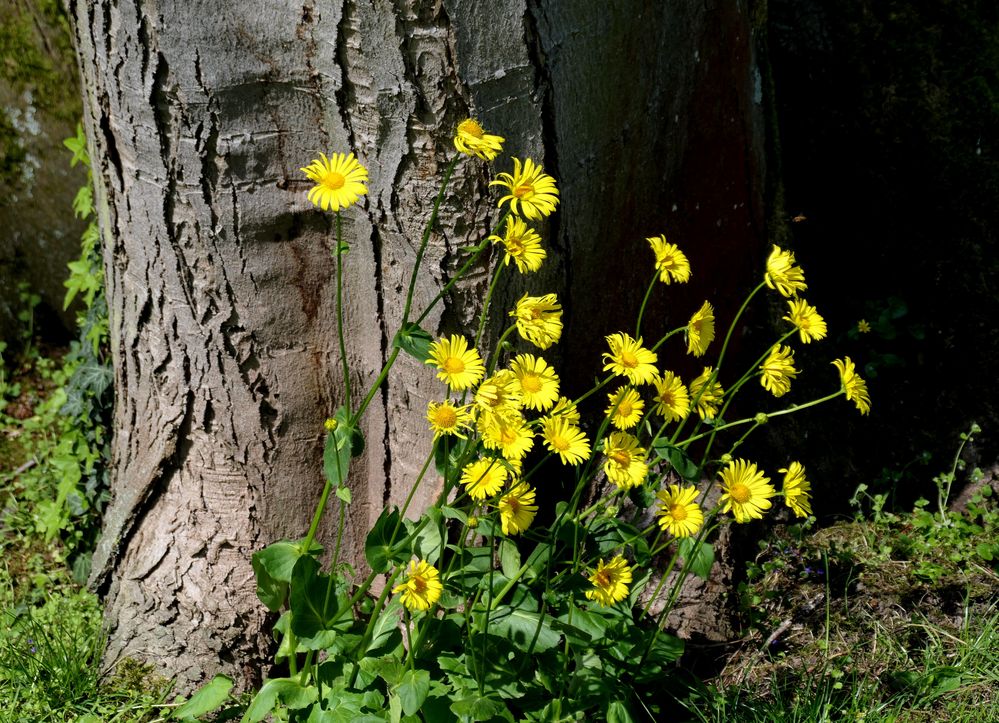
(537, 561)
(286, 690)
(343, 493)
(342, 444)
(414, 341)
(666, 649)
(509, 557)
(643, 496)
(478, 708)
(385, 633)
(985, 551)
(700, 555)
(413, 690)
(389, 668)
(379, 548)
(427, 542)
(678, 458)
(211, 696)
(617, 712)
(528, 631)
(315, 603)
(273, 567)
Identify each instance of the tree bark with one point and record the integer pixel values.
(219, 273)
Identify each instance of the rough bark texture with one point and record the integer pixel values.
(219, 272)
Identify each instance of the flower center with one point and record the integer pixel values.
(514, 504)
(523, 191)
(334, 181)
(535, 313)
(603, 579)
(624, 409)
(515, 246)
(454, 365)
(740, 493)
(678, 512)
(621, 457)
(446, 417)
(471, 127)
(559, 442)
(531, 384)
(419, 585)
(628, 359)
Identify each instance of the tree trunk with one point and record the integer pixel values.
(219, 273)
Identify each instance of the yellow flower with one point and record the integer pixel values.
(671, 262)
(679, 515)
(853, 385)
(863, 327)
(483, 478)
(628, 358)
(567, 441)
(782, 274)
(671, 397)
(517, 509)
(500, 393)
(422, 586)
(706, 397)
(778, 370)
(565, 409)
(796, 489)
(508, 433)
(701, 330)
(330, 424)
(532, 191)
(339, 181)
(460, 367)
(471, 140)
(626, 464)
(610, 581)
(538, 381)
(626, 407)
(746, 492)
(539, 319)
(447, 418)
(804, 316)
(522, 244)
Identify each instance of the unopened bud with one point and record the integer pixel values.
(330, 424)
(611, 511)
(473, 522)
(726, 458)
(761, 418)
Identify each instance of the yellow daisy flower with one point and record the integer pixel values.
(500, 393)
(422, 586)
(804, 316)
(539, 319)
(796, 489)
(628, 358)
(517, 509)
(863, 326)
(538, 381)
(567, 441)
(701, 330)
(679, 515)
(532, 191)
(471, 140)
(460, 367)
(522, 244)
(746, 492)
(483, 478)
(626, 464)
(782, 274)
(339, 181)
(507, 433)
(448, 418)
(625, 409)
(565, 409)
(708, 396)
(778, 370)
(671, 397)
(671, 262)
(610, 581)
(854, 386)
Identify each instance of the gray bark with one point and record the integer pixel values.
(219, 273)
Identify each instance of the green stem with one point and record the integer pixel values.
(483, 315)
(645, 301)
